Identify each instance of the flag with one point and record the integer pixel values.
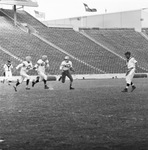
(39, 14)
(89, 9)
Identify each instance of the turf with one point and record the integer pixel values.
(94, 116)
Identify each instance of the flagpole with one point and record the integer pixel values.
(15, 15)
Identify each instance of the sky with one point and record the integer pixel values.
(59, 9)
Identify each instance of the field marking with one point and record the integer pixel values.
(107, 116)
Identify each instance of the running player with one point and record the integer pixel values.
(66, 67)
(41, 66)
(131, 64)
(8, 72)
(24, 67)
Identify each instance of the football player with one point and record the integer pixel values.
(41, 66)
(66, 67)
(131, 64)
(24, 67)
(8, 72)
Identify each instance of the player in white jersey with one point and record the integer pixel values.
(24, 67)
(41, 66)
(66, 67)
(8, 72)
(131, 64)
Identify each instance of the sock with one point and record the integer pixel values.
(17, 83)
(45, 81)
(127, 86)
(27, 82)
(70, 84)
(132, 84)
(60, 78)
(37, 80)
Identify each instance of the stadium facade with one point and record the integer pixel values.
(136, 19)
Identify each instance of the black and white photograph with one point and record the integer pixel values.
(73, 74)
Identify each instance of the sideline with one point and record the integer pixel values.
(87, 76)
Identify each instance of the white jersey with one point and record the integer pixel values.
(25, 66)
(41, 65)
(131, 63)
(65, 65)
(8, 67)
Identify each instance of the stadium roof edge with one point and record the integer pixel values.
(19, 3)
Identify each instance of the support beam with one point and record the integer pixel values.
(15, 15)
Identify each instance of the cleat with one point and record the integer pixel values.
(125, 90)
(33, 83)
(27, 88)
(46, 87)
(15, 89)
(71, 88)
(133, 88)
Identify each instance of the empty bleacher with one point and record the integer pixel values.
(22, 44)
(84, 49)
(76, 44)
(72, 42)
(120, 41)
(3, 60)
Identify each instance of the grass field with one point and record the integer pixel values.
(94, 116)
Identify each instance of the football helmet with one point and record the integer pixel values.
(28, 58)
(44, 57)
(66, 58)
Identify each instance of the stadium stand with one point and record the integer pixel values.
(122, 40)
(76, 44)
(72, 42)
(86, 50)
(145, 31)
(3, 59)
(22, 44)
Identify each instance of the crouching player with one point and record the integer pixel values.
(131, 64)
(24, 67)
(66, 67)
(41, 67)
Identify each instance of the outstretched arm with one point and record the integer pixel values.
(19, 66)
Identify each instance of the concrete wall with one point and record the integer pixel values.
(86, 76)
(128, 19)
(144, 19)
